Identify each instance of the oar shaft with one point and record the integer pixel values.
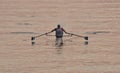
(42, 34)
(85, 37)
(78, 35)
(33, 38)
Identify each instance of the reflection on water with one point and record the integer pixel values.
(86, 43)
(59, 49)
(60, 46)
(33, 43)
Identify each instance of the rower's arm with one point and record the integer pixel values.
(64, 30)
(53, 30)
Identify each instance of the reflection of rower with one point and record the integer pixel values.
(59, 34)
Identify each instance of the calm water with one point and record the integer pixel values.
(20, 20)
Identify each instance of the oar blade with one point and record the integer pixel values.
(32, 38)
(86, 38)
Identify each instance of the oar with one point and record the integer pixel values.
(33, 38)
(85, 37)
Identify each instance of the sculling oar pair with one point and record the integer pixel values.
(85, 37)
(33, 38)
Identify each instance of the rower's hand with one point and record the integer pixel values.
(66, 33)
(69, 33)
(46, 33)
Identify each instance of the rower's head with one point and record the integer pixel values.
(58, 26)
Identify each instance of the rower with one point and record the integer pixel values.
(59, 33)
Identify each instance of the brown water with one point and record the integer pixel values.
(97, 19)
